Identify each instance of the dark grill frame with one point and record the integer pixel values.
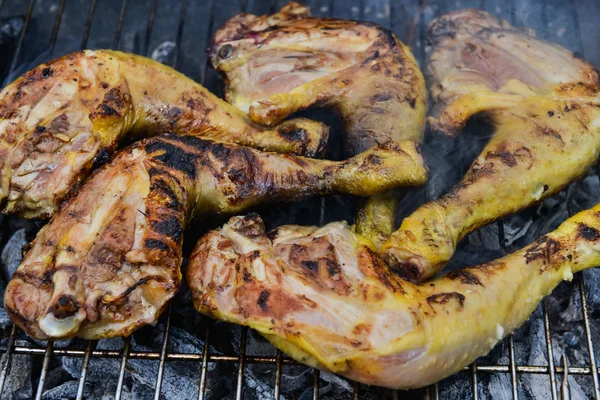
(279, 361)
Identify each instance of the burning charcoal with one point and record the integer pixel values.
(592, 285)
(10, 29)
(105, 371)
(256, 344)
(486, 237)
(142, 391)
(56, 376)
(455, 388)
(295, 380)
(257, 389)
(31, 226)
(164, 53)
(18, 381)
(536, 386)
(336, 381)
(12, 254)
(4, 319)
(499, 386)
(180, 379)
(517, 226)
(584, 194)
(571, 339)
(438, 152)
(67, 390)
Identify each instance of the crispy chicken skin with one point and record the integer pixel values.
(60, 119)
(325, 297)
(544, 104)
(108, 262)
(475, 51)
(277, 64)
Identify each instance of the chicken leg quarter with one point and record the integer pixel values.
(63, 117)
(277, 64)
(544, 104)
(325, 297)
(108, 262)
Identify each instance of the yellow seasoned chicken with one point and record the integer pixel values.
(63, 117)
(277, 64)
(108, 262)
(544, 104)
(325, 297)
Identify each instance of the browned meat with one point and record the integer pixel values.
(326, 298)
(475, 51)
(61, 118)
(277, 64)
(544, 105)
(108, 262)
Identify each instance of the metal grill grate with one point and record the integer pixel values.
(408, 19)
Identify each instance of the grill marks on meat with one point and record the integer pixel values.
(108, 262)
(278, 64)
(65, 117)
(543, 104)
(325, 297)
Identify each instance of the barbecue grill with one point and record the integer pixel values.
(176, 33)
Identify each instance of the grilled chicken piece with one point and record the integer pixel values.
(63, 117)
(544, 104)
(475, 51)
(108, 262)
(325, 297)
(277, 64)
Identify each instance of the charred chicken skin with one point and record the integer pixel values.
(327, 299)
(61, 118)
(277, 64)
(108, 262)
(544, 105)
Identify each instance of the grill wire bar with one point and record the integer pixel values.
(7, 356)
(262, 360)
(117, 37)
(163, 356)
(124, 356)
(26, 22)
(88, 25)
(242, 364)
(565, 391)
(44, 373)
(279, 360)
(204, 368)
(84, 367)
(278, 366)
(549, 352)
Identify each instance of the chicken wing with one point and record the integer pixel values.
(544, 105)
(63, 117)
(325, 297)
(108, 262)
(277, 64)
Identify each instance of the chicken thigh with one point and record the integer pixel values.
(275, 65)
(327, 299)
(108, 262)
(544, 105)
(60, 119)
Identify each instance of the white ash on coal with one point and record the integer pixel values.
(164, 53)
(12, 253)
